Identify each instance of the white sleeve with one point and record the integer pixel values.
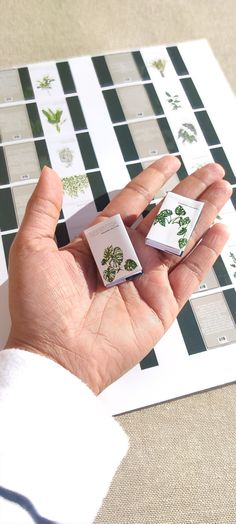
(59, 447)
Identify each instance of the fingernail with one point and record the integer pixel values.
(45, 168)
(168, 164)
(215, 168)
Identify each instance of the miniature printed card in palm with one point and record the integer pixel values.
(174, 223)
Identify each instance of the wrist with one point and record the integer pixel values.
(66, 359)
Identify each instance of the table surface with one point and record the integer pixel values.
(181, 467)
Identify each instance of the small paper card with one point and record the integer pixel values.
(113, 251)
(174, 223)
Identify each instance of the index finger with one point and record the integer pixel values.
(134, 198)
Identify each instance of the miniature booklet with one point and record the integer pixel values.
(99, 121)
(174, 224)
(113, 251)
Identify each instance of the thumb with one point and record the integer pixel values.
(43, 208)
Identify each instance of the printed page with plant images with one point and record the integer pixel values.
(99, 121)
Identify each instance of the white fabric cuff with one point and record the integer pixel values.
(58, 445)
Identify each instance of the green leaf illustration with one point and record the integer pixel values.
(179, 210)
(188, 133)
(233, 257)
(184, 221)
(113, 258)
(174, 101)
(109, 274)
(159, 65)
(130, 264)
(54, 117)
(75, 184)
(108, 252)
(182, 231)
(117, 255)
(191, 128)
(166, 217)
(45, 82)
(161, 217)
(166, 212)
(182, 242)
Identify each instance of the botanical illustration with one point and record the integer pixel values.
(45, 83)
(54, 118)
(159, 65)
(73, 185)
(113, 260)
(66, 156)
(233, 259)
(174, 101)
(167, 217)
(188, 133)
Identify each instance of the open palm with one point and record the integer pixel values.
(59, 306)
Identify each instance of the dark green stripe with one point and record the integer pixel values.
(87, 151)
(7, 242)
(76, 113)
(192, 93)
(182, 172)
(167, 135)
(134, 170)
(43, 154)
(140, 65)
(207, 128)
(154, 100)
(3, 168)
(149, 361)
(114, 105)
(233, 198)
(34, 120)
(221, 158)
(26, 83)
(126, 143)
(99, 191)
(221, 272)
(102, 71)
(66, 77)
(7, 211)
(62, 235)
(177, 61)
(148, 209)
(190, 330)
(230, 297)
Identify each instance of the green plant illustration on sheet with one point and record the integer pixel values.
(174, 101)
(54, 118)
(75, 184)
(113, 259)
(160, 65)
(66, 156)
(45, 83)
(167, 217)
(188, 133)
(233, 259)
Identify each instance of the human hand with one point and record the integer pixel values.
(58, 304)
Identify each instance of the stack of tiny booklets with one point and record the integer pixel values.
(99, 121)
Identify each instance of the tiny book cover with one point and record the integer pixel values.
(174, 223)
(113, 251)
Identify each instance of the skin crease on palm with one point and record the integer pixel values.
(58, 304)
